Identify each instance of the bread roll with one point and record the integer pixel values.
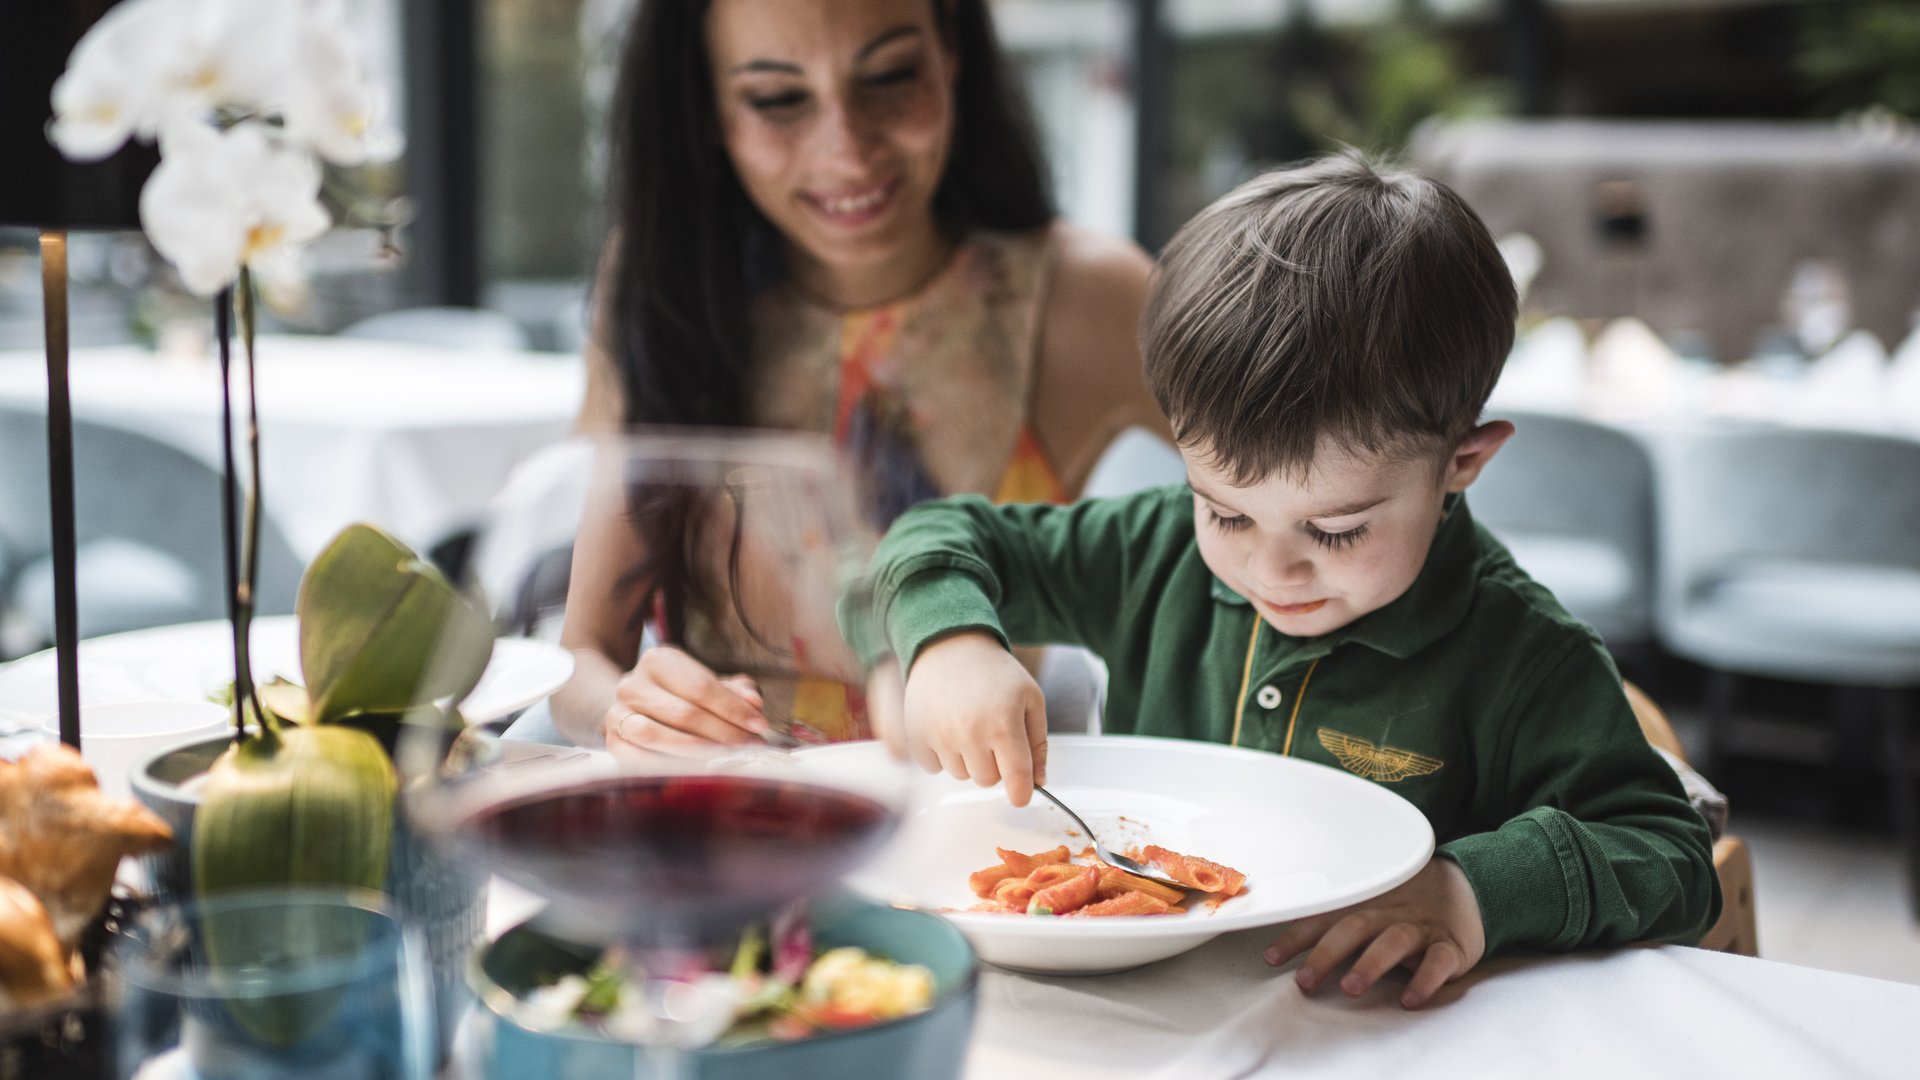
(63, 838)
(33, 968)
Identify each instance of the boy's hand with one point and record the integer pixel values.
(672, 703)
(973, 711)
(1431, 925)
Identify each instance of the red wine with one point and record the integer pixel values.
(676, 858)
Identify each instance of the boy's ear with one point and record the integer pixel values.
(1474, 451)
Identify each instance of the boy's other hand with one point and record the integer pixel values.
(1429, 925)
(671, 703)
(974, 712)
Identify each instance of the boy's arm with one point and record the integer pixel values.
(1609, 851)
(1028, 573)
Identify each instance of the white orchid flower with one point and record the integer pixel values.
(335, 109)
(111, 89)
(221, 200)
(230, 54)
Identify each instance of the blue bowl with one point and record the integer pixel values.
(930, 1045)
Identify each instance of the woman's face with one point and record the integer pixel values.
(837, 115)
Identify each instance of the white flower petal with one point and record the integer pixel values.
(107, 91)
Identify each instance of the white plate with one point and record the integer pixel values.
(1310, 839)
(191, 661)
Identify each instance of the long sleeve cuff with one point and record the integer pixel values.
(1522, 876)
(933, 603)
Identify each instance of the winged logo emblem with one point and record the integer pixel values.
(1387, 764)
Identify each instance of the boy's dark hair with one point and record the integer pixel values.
(1334, 300)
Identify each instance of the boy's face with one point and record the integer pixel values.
(1313, 554)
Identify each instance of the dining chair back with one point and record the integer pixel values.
(1574, 501)
(1134, 461)
(1793, 554)
(147, 521)
(1736, 930)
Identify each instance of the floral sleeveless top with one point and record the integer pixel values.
(929, 395)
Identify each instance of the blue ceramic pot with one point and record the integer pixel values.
(430, 889)
(931, 1045)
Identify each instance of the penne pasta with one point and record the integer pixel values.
(1127, 902)
(1064, 897)
(1051, 883)
(983, 882)
(1025, 864)
(1195, 872)
(1115, 878)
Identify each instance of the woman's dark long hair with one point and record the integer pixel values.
(693, 251)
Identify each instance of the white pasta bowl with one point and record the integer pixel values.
(1309, 838)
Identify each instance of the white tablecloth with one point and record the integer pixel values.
(1637, 1013)
(414, 438)
(1645, 1013)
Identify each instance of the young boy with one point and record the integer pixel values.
(1322, 341)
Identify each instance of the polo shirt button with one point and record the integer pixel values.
(1268, 697)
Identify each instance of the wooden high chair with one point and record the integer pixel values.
(1734, 931)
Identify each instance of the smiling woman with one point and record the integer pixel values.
(832, 216)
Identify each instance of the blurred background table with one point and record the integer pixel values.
(415, 438)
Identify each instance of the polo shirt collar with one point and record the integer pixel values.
(1431, 607)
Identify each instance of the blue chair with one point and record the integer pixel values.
(147, 519)
(1134, 461)
(1574, 501)
(1795, 554)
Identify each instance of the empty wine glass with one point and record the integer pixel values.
(746, 551)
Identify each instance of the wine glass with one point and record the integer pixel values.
(745, 550)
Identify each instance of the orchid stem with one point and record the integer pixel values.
(229, 537)
(238, 563)
(250, 542)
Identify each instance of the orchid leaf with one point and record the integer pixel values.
(382, 630)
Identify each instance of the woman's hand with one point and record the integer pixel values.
(973, 711)
(1430, 925)
(672, 703)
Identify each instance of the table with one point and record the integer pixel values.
(1667, 1011)
(414, 438)
(190, 662)
(1220, 1011)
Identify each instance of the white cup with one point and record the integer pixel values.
(119, 738)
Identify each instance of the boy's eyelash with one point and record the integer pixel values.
(1332, 541)
(1336, 541)
(1228, 524)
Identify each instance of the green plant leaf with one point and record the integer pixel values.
(381, 630)
(310, 806)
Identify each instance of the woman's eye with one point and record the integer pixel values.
(894, 76)
(1228, 524)
(1336, 541)
(769, 103)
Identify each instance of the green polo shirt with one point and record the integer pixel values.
(1474, 695)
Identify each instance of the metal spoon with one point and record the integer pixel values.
(1131, 866)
